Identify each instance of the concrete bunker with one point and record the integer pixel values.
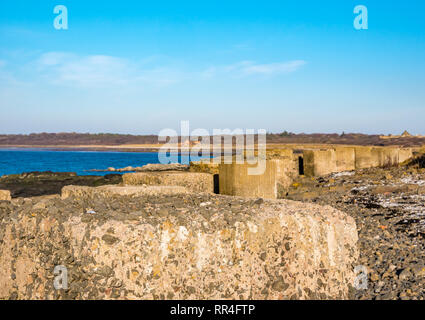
(234, 180)
(283, 166)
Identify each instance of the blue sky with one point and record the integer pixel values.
(141, 66)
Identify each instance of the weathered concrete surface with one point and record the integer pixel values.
(108, 191)
(371, 157)
(192, 181)
(383, 157)
(289, 161)
(364, 158)
(202, 247)
(345, 159)
(405, 154)
(319, 162)
(5, 195)
(234, 180)
(287, 167)
(284, 174)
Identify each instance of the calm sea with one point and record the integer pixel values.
(19, 161)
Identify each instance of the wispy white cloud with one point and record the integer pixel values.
(247, 68)
(104, 71)
(54, 58)
(274, 68)
(100, 71)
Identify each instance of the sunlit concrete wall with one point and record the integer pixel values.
(235, 180)
(319, 162)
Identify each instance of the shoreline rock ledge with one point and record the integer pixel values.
(5, 195)
(175, 246)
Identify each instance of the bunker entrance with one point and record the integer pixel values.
(216, 184)
(300, 166)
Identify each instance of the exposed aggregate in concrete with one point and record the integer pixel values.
(240, 249)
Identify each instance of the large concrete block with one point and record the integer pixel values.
(288, 161)
(192, 181)
(308, 161)
(384, 156)
(286, 172)
(5, 195)
(234, 180)
(404, 154)
(319, 162)
(276, 250)
(364, 158)
(345, 159)
(370, 157)
(114, 190)
(389, 157)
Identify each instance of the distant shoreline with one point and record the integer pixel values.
(100, 148)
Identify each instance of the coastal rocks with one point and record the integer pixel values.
(5, 195)
(151, 167)
(192, 181)
(418, 161)
(34, 184)
(388, 207)
(108, 191)
(172, 247)
(164, 167)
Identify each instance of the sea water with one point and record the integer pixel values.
(80, 162)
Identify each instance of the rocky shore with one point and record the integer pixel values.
(151, 167)
(33, 184)
(388, 205)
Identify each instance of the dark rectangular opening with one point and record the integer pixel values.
(216, 184)
(301, 166)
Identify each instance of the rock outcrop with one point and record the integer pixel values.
(192, 181)
(34, 184)
(147, 168)
(164, 167)
(5, 195)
